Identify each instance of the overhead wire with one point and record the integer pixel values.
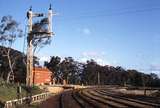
(104, 14)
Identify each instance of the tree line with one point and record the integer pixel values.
(91, 73)
(75, 72)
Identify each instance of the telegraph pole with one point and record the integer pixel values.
(98, 76)
(30, 16)
(29, 49)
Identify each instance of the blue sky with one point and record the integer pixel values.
(115, 32)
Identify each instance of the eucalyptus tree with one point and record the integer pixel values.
(39, 35)
(9, 33)
(54, 66)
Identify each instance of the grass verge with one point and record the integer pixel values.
(9, 91)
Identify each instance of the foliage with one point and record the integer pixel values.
(54, 66)
(67, 69)
(75, 72)
(19, 65)
(9, 33)
(39, 34)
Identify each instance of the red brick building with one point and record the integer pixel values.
(41, 76)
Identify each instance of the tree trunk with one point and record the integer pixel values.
(10, 66)
(2, 74)
(64, 82)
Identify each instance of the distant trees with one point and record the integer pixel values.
(54, 66)
(70, 70)
(75, 72)
(90, 72)
(66, 70)
(134, 77)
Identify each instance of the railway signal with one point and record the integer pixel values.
(36, 35)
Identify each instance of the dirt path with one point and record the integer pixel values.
(65, 98)
(68, 101)
(52, 102)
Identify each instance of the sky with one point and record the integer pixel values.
(112, 32)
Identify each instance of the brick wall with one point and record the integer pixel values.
(41, 76)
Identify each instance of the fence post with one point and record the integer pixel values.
(39, 97)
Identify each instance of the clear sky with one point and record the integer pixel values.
(115, 32)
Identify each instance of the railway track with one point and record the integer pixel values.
(61, 105)
(111, 99)
(100, 98)
(93, 103)
(80, 101)
(67, 100)
(103, 103)
(116, 95)
(127, 103)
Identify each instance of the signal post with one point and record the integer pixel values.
(30, 40)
